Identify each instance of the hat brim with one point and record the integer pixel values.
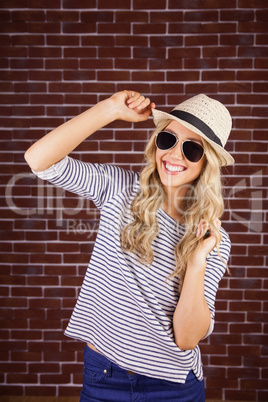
(225, 157)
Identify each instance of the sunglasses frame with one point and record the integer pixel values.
(177, 140)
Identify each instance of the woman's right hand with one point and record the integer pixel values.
(131, 106)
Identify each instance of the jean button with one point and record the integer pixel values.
(105, 371)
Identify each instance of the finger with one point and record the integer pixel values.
(214, 230)
(202, 228)
(136, 102)
(144, 104)
(217, 223)
(131, 96)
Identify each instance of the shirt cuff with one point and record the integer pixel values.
(210, 330)
(53, 171)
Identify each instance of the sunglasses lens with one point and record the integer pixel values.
(165, 140)
(193, 151)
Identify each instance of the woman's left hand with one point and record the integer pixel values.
(209, 239)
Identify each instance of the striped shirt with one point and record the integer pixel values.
(125, 308)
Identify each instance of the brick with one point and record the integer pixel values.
(133, 40)
(252, 75)
(259, 99)
(184, 52)
(252, 26)
(181, 4)
(203, 64)
(183, 76)
(63, 15)
(95, 16)
(43, 27)
(113, 75)
(129, 16)
(41, 391)
(219, 51)
(220, 4)
(151, 4)
(262, 15)
(9, 27)
(70, 391)
(37, 40)
(169, 64)
(261, 40)
(206, 40)
(211, 15)
(11, 390)
(256, 295)
(44, 4)
(169, 41)
(226, 360)
(164, 16)
(79, 75)
(78, 27)
(218, 75)
(130, 64)
(240, 40)
(149, 52)
(185, 28)
(236, 64)
(79, 4)
(242, 350)
(57, 40)
(222, 382)
(95, 64)
(98, 40)
(54, 379)
(244, 395)
(237, 15)
(148, 76)
(70, 64)
(81, 99)
(254, 384)
(219, 27)
(123, 28)
(114, 52)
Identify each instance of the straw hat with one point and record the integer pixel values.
(205, 116)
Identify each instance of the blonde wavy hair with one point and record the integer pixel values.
(203, 200)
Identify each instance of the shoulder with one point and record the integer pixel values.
(118, 171)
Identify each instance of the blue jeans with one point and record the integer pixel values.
(104, 381)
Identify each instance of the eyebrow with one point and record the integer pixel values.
(185, 139)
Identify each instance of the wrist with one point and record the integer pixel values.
(197, 264)
(110, 109)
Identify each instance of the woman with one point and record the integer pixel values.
(148, 295)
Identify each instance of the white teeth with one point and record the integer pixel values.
(172, 168)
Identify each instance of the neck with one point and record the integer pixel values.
(173, 204)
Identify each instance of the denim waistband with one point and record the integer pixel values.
(106, 364)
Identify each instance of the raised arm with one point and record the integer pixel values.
(192, 317)
(124, 105)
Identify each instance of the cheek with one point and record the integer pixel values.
(200, 166)
(158, 157)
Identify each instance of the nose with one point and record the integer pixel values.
(177, 150)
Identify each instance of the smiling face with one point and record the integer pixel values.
(175, 171)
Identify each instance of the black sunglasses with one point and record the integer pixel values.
(192, 151)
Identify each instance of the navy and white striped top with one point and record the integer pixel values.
(125, 308)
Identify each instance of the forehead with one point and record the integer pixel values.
(183, 132)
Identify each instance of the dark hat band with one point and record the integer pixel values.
(198, 123)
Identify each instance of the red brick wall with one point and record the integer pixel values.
(59, 58)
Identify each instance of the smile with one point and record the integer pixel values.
(173, 168)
